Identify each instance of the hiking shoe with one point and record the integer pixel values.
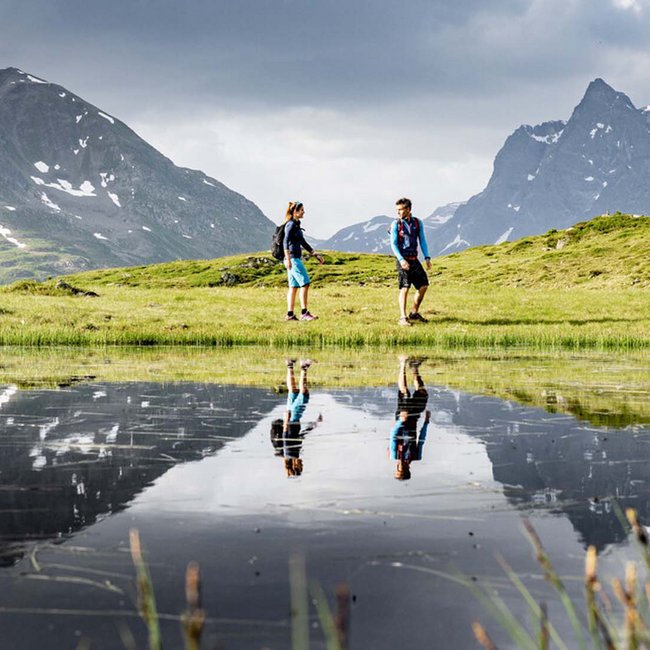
(414, 315)
(404, 322)
(308, 316)
(292, 317)
(305, 363)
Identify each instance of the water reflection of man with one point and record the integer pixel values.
(405, 442)
(287, 434)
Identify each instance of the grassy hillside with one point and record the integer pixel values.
(573, 289)
(592, 386)
(606, 252)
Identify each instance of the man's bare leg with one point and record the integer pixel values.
(402, 384)
(418, 384)
(419, 297)
(402, 300)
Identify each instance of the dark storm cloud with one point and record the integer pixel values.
(324, 53)
(281, 98)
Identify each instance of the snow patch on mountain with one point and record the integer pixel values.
(552, 138)
(106, 117)
(45, 199)
(6, 233)
(504, 236)
(106, 178)
(85, 189)
(457, 242)
(369, 227)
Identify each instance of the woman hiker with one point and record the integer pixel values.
(294, 241)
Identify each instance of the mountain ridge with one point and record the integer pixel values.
(609, 251)
(544, 176)
(82, 190)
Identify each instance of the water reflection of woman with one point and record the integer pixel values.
(405, 442)
(287, 433)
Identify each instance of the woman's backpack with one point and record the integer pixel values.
(277, 242)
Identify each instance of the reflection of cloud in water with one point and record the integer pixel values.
(543, 460)
(7, 394)
(53, 442)
(67, 456)
(345, 460)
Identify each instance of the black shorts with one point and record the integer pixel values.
(416, 275)
(413, 403)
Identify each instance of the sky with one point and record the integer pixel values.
(343, 105)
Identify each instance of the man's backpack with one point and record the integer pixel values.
(400, 229)
(277, 242)
(415, 228)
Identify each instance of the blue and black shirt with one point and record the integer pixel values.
(404, 237)
(294, 240)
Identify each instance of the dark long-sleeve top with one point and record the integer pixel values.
(294, 239)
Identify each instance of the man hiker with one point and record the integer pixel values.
(405, 233)
(405, 442)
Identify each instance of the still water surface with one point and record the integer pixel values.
(357, 481)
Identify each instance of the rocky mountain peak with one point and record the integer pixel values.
(601, 97)
(555, 174)
(81, 190)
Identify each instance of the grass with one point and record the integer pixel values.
(602, 388)
(334, 626)
(587, 294)
(460, 317)
(601, 623)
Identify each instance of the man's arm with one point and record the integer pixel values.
(393, 440)
(423, 244)
(423, 433)
(395, 248)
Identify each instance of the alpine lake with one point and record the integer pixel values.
(191, 447)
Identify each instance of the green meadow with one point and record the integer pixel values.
(599, 387)
(582, 288)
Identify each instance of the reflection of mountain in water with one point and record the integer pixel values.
(544, 459)
(69, 456)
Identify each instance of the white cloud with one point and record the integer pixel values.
(424, 121)
(632, 5)
(345, 167)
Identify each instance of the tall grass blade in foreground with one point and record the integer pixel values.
(299, 603)
(146, 598)
(193, 620)
(342, 620)
(554, 580)
(332, 640)
(538, 610)
(629, 631)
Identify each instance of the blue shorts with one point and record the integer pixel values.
(297, 275)
(296, 404)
